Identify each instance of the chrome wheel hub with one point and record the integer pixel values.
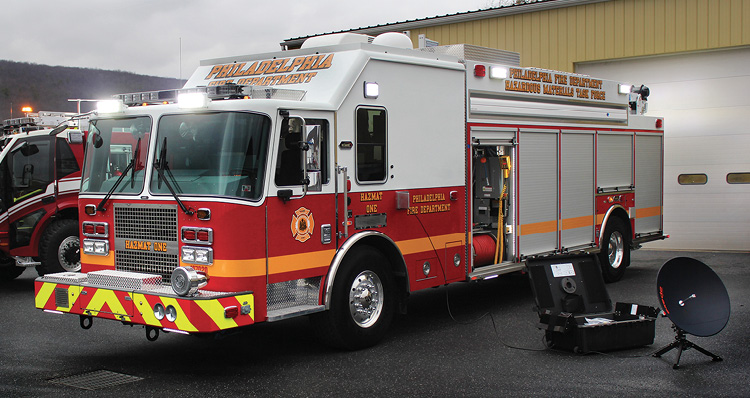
(69, 254)
(615, 249)
(366, 299)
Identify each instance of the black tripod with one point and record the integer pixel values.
(681, 343)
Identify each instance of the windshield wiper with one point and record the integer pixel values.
(160, 165)
(131, 166)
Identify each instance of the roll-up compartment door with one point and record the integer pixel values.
(537, 193)
(614, 168)
(577, 189)
(648, 183)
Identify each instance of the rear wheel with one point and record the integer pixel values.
(59, 250)
(615, 254)
(362, 302)
(8, 268)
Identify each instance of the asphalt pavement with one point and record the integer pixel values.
(468, 339)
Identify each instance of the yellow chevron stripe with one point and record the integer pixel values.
(45, 292)
(103, 296)
(182, 322)
(147, 312)
(215, 310)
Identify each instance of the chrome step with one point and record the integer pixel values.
(491, 271)
(290, 312)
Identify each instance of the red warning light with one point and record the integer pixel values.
(480, 70)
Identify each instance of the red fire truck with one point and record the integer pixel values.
(40, 172)
(334, 180)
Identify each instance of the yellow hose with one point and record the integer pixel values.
(499, 244)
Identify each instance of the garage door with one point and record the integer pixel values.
(704, 100)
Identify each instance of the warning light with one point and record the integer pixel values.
(659, 123)
(480, 70)
(26, 109)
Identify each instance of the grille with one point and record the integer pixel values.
(146, 222)
(147, 262)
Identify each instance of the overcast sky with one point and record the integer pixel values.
(144, 37)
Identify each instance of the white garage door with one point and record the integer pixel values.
(705, 100)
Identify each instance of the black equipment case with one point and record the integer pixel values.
(575, 309)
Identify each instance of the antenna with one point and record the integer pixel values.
(695, 300)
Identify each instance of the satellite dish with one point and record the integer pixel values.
(695, 300)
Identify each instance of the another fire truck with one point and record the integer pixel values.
(335, 180)
(40, 173)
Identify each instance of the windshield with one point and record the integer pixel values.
(212, 154)
(110, 148)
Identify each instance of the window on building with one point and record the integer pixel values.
(738, 178)
(371, 145)
(692, 179)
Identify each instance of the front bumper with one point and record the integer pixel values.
(131, 298)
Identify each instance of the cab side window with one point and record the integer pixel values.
(371, 145)
(31, 168)
(289, 157)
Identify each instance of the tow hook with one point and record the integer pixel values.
(86, 321)
(152, 333)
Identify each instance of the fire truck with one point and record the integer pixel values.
(335, 180)
(40, 172)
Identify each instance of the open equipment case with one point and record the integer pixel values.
(576, 312)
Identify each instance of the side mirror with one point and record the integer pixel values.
(26, 149)
(96, 140)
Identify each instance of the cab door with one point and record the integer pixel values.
(31, 197)
(300, 210)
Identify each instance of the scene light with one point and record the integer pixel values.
(192, 100)
(371, 90)
(625, 88)
(498, 72)
(110, 106)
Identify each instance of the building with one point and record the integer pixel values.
(692, 54)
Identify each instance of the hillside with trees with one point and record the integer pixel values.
(48, 88)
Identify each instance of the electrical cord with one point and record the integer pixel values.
(494, 325)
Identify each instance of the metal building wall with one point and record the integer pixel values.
(558, 38)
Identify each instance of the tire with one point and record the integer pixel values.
(8, 268)
(363, 302)
(59, 250)
(615, 250)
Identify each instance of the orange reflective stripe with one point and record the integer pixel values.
(537, 228)
(577, 222)
(648, 212)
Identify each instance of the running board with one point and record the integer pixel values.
(491, 271)
(291, 312)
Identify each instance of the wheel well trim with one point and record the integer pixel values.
(341, 253)
(610, 211)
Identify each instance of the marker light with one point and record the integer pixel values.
(110, 106)
(498, 72)
(192, 100)
(479, 71)
(371, 90)
(625, 88)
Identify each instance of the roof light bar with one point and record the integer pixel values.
(226, 91)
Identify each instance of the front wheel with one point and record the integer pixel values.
(59, 250)
(362, 302)
(615, 254)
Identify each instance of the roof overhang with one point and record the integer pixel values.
(539, 5)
